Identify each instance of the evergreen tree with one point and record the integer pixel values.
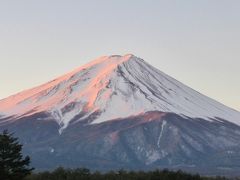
(13, 166)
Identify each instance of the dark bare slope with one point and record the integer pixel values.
(153, 140)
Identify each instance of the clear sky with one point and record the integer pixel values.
(195, 41)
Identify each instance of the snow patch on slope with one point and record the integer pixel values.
(161, 133)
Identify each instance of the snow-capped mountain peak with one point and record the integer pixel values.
(113, 87)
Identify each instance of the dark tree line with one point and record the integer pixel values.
(85, 174)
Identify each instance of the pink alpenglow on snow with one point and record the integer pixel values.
(115, 87)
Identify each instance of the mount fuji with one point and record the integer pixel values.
(120, 112)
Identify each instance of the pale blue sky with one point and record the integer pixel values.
(195, 41)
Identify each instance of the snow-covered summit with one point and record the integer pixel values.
(114, 87)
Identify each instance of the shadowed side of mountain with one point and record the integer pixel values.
(151, 140)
